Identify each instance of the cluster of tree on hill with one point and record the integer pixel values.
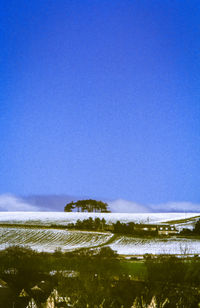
(89, 205)
(102, 279)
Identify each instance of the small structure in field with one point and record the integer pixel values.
(155, 229)
(166, 230)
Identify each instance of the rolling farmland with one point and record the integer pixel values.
(50, 240)
(139, 246)
(36, 233)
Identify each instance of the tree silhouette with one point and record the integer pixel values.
(89, 205)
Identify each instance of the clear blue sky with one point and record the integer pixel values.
(101, 99)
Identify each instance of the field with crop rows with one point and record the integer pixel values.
(44, 239)
(137, 246)
(49, 240)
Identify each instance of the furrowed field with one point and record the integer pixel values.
(33, 230)
(50, 240)
(125, 245)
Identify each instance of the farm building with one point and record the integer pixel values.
(159, 229)
(166, 230)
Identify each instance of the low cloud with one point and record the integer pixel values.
(12, 203)
(124, 206)
(176, 207)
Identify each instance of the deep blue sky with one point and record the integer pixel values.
(101, 99)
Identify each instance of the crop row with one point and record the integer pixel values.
(136, 246)
(49, 240)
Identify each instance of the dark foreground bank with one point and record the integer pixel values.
(96, 278)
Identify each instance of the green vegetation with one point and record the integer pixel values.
(89, 205)
(176, 279)
(90, 224)
(88, 278)
(98, 224)
(137, 269)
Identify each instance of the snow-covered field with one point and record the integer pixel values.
(50, 240)
(62, 218)
(137, 246)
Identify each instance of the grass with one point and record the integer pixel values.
(136, 269)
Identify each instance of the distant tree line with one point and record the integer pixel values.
(130, 228)
(98, 224)
(124, 228)
(89, 205)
